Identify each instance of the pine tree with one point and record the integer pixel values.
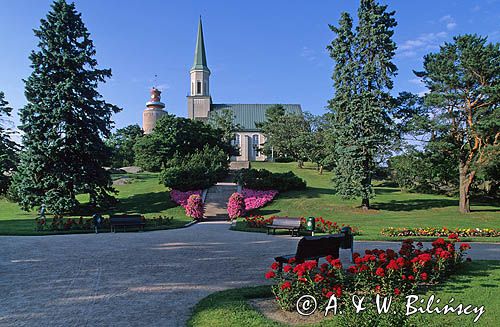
(65, 119)
(463, 106)
(362, 78)
(8, 147)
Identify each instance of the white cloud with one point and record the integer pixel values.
(308, 54)
(449, 21)
(425, 42)
(417, 81)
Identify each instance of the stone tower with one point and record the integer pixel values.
(153, 112)
(199, 100)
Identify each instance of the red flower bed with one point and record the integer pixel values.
(384, 272)
(258, 221)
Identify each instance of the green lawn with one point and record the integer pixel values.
(392, 207)
(476, 284)
(144, 195)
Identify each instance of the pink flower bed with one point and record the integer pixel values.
(181, 198)
(257, 198)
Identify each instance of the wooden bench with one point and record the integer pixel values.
(315, 247)
(126, 221)
(290, 223)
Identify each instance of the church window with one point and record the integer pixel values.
(198, 87)
(255, 143)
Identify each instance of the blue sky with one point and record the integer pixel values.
(258, 51)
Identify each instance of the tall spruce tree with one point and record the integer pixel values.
(8, 147)
(360, 107)
(65, 119)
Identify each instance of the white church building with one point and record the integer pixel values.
(248, 138)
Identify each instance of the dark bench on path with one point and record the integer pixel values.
(126, 221)
(290, 223)
(315, 247)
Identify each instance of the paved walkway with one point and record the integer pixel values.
(137, 279)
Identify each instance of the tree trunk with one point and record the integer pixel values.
(300, 163)
(321, 169)
(365, 203)
(465, 183)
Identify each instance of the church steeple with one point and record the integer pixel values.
(200, 58)
(199, 100)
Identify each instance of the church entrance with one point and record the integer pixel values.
(253, 147)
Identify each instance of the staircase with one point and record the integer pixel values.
(216, 200)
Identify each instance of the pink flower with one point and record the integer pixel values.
(257, 198)
(236, 205)
(181, 198)
(194, 207)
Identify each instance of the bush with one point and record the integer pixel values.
(284, 159)
(194, 207)
(236, 205)
(263, 179)
(196, 171)
(177, 137)
(378, 272)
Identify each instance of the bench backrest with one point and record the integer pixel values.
(318, 246)
(286, 221)
(125, 219)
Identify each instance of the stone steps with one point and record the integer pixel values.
(216, 200)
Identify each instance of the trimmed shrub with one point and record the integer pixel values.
(236, 205)
(263, 179)
(194, 207)
(195, 171)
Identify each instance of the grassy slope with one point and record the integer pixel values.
(144, 195)
(394, 208)
(477, 285)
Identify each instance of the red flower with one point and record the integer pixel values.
(445, 254)
(400, 262)
(288, 268)
(423, 276)
(380, 272)
(438, 242)
(329, 294)
(453, 236)
(464, 246)
(270, 274)
(358, 260)
(403, 277)
(377, 288)
(338, 290)
(275, 266)
(352, 269)
(397, 291)
(393, 265)
(336, 263)
(291, 260)
(318, 278)
(286, 285)
(363, 268)
(411, 278)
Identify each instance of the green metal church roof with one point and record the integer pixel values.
(246, 115)
(200, 58)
